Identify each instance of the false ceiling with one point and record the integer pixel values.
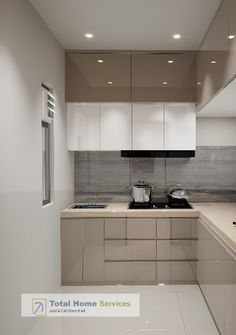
(128, 24)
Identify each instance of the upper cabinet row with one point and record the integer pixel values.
(126, 126)
(126, 77)
(216, 61)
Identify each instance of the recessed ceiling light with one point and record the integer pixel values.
(199, 83)
(164, 83)
(213, 62)
(161, 284)
(176, 36)
(109, 82)
(231, 37)
(100, 61)
(170, 61)
(88, 35)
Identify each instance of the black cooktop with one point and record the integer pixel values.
(161, 204)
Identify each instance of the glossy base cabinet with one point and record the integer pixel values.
(120, 250)
(216, 274)
(125, 126)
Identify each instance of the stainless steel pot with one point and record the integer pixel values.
(141, 192)
(177, 192)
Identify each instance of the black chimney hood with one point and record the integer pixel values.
(158, 153)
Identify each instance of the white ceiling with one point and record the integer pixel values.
(128, 24)
(223, 104)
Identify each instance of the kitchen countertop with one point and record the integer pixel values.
(218, 216)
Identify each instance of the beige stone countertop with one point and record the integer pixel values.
(218, 215)
(121, 210)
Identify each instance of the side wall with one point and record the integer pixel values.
(29, 234)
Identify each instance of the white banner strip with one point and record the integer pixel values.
(80, 305)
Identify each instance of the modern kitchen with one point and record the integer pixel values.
(118, 167)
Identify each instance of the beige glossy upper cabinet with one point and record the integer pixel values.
(231, 63)
(98, 77)
(115, 126)
(212, 73)
(164, 77)
(147, 126)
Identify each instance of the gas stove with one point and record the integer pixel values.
(161, 204)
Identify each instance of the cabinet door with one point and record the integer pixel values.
(213, 58)
(115, 126)
(155, 79)
(231, 63)
(180, 127)
(82, 126)
(93, 250)
(71, 251)
(147, 122)
(98, 77)
(141, 228)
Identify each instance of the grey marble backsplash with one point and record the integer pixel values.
(105, 176)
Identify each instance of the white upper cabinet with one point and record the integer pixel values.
(115, 126)
(83, 126)
(147, 123)
(180, 126)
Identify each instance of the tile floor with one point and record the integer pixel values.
(165, 310)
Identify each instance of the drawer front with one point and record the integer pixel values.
(176, 250)
(115, 228)
(176, 272)
(163, 228)
(141, 250)
(140, 272)
(141, 228)
(183, 228)
(115, 250)
(115, 271)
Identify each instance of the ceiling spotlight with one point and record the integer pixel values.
(231, 37)
(109, 82)
(88, 35)
(213, 62)
(176, 36)
(199, 83)
(100, 61)
(164, 83)
(170, 61)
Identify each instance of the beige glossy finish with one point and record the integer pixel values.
(163, 228)
(213, 77)
(176, 250)
(141, 250)
(172, 272)
(141, 228)
(93, 250)
(231, 61)
(216, 273)
(141, 272)
(115, 250)
(183, 228)
(149, 71)
(115, 272)
(115, 228)
(71, 251)
(87, 80)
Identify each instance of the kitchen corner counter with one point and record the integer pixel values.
(121, 210)
(219, 216)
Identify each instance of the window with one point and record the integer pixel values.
(48, 110)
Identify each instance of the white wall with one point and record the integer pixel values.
(216, 131)
(29, 234)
